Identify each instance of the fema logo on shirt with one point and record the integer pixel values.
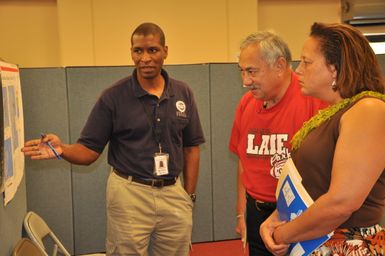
(181, 109)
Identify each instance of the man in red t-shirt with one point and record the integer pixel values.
(266, 119)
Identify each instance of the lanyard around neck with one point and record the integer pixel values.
(152, 121)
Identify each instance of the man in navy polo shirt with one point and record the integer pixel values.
(152, 125)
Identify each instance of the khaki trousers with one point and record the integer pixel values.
(147, 221)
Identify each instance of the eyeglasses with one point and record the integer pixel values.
(249, 72)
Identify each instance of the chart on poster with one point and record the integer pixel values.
(12, 160)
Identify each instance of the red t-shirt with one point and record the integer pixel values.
(261, 137)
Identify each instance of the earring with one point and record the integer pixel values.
(334, 85)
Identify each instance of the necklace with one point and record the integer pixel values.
(326, 114)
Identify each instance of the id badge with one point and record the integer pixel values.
(161, 164)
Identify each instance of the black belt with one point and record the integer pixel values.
(158, 183)
(261, 205)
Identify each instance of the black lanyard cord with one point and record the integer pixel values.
(152, 121)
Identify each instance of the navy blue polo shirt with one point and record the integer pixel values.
(135, 122)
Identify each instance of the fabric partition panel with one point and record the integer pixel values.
(11, 220)
(197, 77)
(226, 91)
(85, 84)
(48, 183)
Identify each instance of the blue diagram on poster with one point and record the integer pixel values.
(12, 159)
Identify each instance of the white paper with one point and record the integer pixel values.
(13, 121)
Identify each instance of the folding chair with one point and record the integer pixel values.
(25, 247)
(37, 229)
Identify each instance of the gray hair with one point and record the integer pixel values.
(272, 46)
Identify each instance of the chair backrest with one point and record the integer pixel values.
(25, 247)
(37, 229)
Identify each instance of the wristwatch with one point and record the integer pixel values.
(193, 197)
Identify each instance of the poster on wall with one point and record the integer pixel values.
(12, 159)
